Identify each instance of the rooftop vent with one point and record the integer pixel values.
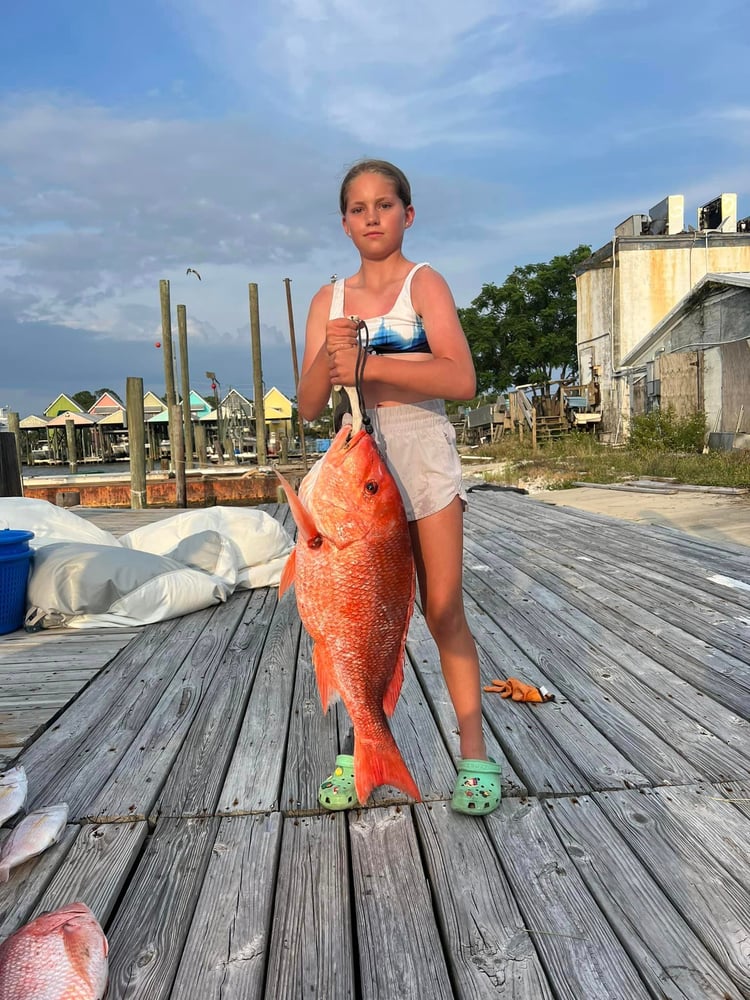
(719, 215)
(635, 225)
(668, 217)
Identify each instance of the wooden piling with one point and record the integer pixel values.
(187, 419)
(70, 436)
(200, 444)
(178, 443)
(260, 409)
(295, 369)
(14, 426)
(10, 477)
(136, 442)
(168, 357)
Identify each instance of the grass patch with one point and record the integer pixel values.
(580, 458)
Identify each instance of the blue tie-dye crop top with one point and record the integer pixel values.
(399, 331)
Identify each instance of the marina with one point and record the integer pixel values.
(190, 754)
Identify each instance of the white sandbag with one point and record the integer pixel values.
(262, 543)
(81, 585)
(49, 523)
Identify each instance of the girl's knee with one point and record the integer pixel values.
(445, 622)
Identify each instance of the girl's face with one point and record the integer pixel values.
(375, 216)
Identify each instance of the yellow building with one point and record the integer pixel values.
(278, 414)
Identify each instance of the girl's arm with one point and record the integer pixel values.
(314, 388)
(448, 374)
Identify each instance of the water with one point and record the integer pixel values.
(84, 469)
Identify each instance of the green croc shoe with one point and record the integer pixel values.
(477, 790)
(337, 791)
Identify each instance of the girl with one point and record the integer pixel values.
(419, 357)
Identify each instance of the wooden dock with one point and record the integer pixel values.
(617, 867)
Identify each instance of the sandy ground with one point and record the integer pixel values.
(717, 518)
(707, 515)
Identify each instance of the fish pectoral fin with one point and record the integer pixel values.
(288, 573)
(323, 664)
(394, 687)
(302, 516)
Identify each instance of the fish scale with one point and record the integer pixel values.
(353, 571)
(60, 955)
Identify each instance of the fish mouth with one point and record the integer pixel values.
(346, 441)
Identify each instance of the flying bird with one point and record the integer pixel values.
(191, 270)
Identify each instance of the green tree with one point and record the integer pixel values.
(84, 398)
(525, 329)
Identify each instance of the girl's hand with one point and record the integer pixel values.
(340, 334)
(342, 365)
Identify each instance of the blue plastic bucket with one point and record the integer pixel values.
(15, 562)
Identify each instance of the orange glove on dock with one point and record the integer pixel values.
(518, 691)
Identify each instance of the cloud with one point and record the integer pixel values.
(406, 76)
(125, 201)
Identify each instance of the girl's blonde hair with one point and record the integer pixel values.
(403, 188)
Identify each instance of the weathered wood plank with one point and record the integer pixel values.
(698, 663)
(194, 783)
(708, 896)
(312, 741)
(150, 926)
(705, 619)
(698, 727)
(227, 947)
(311, 950)
(143, 767)
(44, 681)
(421, 744)
(711, 819)
(44, 758)
(694, 555)
(578, 949)
(390, 891)
(736, 792)
(28, 882)
(671, 959)
(19, 726)
(113, 725)
(488, 949)
(554, 745)
(556, 653)
(426, 663)
(95, 869)
(253, 781)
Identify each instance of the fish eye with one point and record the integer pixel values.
(371, 487)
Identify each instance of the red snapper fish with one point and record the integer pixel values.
(353, 572)
(61, 955)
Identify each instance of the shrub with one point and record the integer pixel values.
(662, 430)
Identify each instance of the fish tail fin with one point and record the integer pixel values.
(4, 873)
(381, 763)
(288, 573)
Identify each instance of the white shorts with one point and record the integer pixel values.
(418, 443)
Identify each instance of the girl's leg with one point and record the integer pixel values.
(438, 552)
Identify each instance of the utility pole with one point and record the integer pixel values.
(288, 283)
(260, 409)
(166, 346)
(187, 419)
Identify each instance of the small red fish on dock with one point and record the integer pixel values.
(61, 955)
(353, 571)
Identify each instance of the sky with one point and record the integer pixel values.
(139, 140)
